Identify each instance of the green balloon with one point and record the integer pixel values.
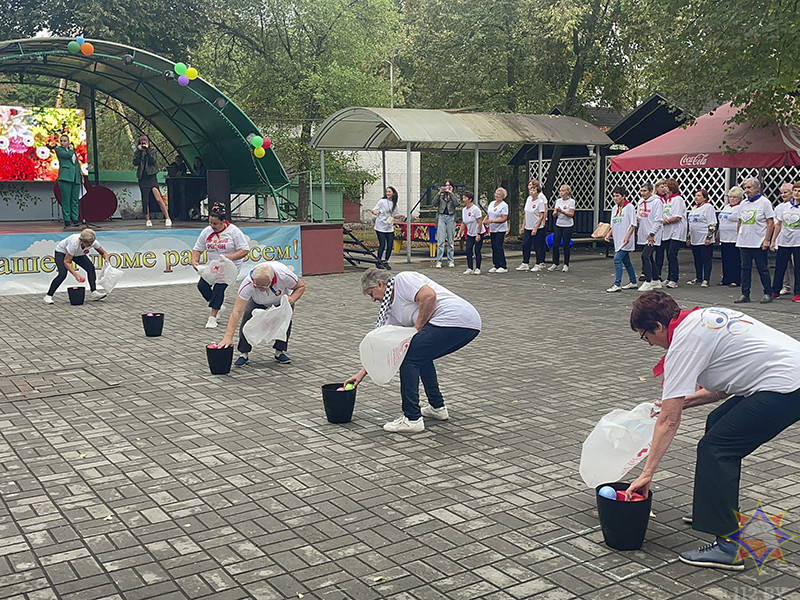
(74, 47)
(257, 141)
(180, 68)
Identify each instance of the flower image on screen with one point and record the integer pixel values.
(29, 136)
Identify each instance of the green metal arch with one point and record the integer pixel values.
(186, 116)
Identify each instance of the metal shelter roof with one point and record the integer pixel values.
(359, 128)
(187, 116)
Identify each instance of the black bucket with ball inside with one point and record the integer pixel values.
(338, 403)
(77, 295)
(153, 324)
(219, 359)
(624, 524)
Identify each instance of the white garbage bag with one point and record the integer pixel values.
(619, 442)
(269, 324)
(221, 270)
(109, 277)
(383, 350)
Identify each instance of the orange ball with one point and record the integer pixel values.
(87, 49)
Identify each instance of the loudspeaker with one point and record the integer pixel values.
(219, 189)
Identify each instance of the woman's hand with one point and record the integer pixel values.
(80, 278)
(226, 341)
(641, 485)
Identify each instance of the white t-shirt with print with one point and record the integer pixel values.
(649, 214)
(72, 245)
(386, 215)
(495, 211)
(471, 218)
(729, 223)
(753, 217)
(284, 282)
(533, 209)
(789, 216)
(563, 220)
(227, 241)
(674, 206)
(700, 218)
(622, 219)
(724, 350)
(450, 311)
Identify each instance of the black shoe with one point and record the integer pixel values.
(67, 226)
(282, 359)
(642, 278)
(76, 224)
(721, 283)
(241, 361)
(742, 299)
(766, 299)
(387, 266)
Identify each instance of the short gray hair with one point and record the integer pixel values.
(263, 271)
(88, 236)
(372, 276)
(754, 182)
(736, 191)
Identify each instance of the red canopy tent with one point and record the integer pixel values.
(711, 142)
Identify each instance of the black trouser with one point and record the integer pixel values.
(658, 261)
(82, 261)
(648, 262)
(702, 261)
(673, 246)
(243, 345)
(540, 245)
(733, 431)
(760, 256)
(731, 263)
(527, 244)
(781, 262)
(559, 234)
(498, 254)
(474, 247)
(214, 296)
(385, 241)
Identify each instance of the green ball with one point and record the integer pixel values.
(180, 68)
(257, 140)
(74, 47)
(349, 387)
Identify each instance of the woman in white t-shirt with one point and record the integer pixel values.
(733, 357)
(564, 212)
(386, 212)
(75, 249)
(702, 227)
(472, 226)
(786, 242)
(623, 225)
(727, 232)
(444, 323)
(497, 221)
(673, 235)
(220, 238)
(532, 228)
(756, 220)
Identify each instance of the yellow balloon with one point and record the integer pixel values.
(259, 152)
(191, 73)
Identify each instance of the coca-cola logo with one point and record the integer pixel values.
(694, 160)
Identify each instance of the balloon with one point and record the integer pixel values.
(259, 152)
(608, 492)
(74, 47)
(87, 48)
(257, 141)
(191, 73)
(180, 68)
(80, 39)
(183, 80)
(266, 144)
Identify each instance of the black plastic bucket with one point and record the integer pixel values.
(338, 405)
(77, 295)
(153, 324)
(219, 359)
(624, 524)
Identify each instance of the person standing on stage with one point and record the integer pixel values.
(69, 181)
(146, 170)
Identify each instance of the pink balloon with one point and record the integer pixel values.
(266, 143)
(183, 80)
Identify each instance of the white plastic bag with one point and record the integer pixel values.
(109, 277)
(221, 270)
(383, 350)
(617, 444)
(269, 324)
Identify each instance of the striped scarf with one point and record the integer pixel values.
(386, 304)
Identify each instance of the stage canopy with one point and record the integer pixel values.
(713, 142)
(198, 119)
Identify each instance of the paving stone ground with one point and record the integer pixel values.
(128, 471)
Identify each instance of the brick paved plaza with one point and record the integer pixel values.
(128, 471)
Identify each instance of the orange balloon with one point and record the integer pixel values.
(87, 48)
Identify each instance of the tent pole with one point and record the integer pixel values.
(383, 170)
(93, 99)
(597, 158)
(322, 179)
(477, 175)
(408, 202)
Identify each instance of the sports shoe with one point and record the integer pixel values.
(704, 284)
(403, 425)
(688, 518)
(523, 267)
(451, 265)
(721, 554)
(467, 272)
(476, 272)
(282, 359)
(168, 223)
(657, 284)
(647, 286)
(439, 414)
(672, 284)
(794, 298)
(785, 291)
(438, 265)
(148, 223)
(98, 295)
(49, 299)
(241, 361)
(211, 323)
(766, 299)
(742, 299)
(565, 269)
(774, 295)
(493, 270)
(536, 268)
(501, 270)
(691, 281)
(552, 267)
(642, 277)
(221, 308)
(630, 286)
(614, 288)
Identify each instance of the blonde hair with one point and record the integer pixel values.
(88, 236)
(566, 187)
(503, 192)
(263, 271)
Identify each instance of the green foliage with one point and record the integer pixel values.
(17, 193)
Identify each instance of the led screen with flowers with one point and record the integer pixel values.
(29, 136)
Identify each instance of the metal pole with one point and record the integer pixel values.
(597, 199)
(408, 202)
(383, 168)
(322, 178)
(310, 197)
(476, 175)
(541, 166)
(94, 138)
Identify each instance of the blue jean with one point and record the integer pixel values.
(430, 343)
(445, 234)
(623, 257)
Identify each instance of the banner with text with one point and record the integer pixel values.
(148, 258)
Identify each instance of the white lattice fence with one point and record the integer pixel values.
(577, 173)
(772, 179)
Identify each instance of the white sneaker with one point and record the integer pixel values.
(704, 284)
(48, 300)
(98, 295)
(439, 414)
(211, 323)
(614, 288)
(647, 286)
(221, 308)
(552, 267)
(501, 270)
(523, 267)
(657, 284)
(476, 272)
(691, 281)
(672, 284)
(148, 223)
(630, 286)
(565, 269)
(536, 268)
(493, 270)
(403, 425)
(438, 265)
(467, 272)
(785, 291)
(451, 265)
(168, 223)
